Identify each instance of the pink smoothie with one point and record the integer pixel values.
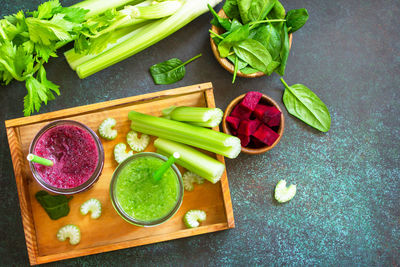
(74, 153)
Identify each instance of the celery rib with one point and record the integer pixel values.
(192, 159)
(217, 142)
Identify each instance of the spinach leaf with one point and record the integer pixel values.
(277, 12)
(244, 6)
(269, 37)
(235, 70)
(302, 103)
(248, 70)
(241, 63)
(254, 53)
(284, 54)
(238, 35)
(272, 66)
(235, 24)
(259, 9)
(296, 18)
(56, 206)
(218, 21)
(231, 9)
(170, 71)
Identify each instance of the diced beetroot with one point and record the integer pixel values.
(233, 122)
(256, 143)
(241, 113)
(248, 127)
(268, 114)
(251, 100)
(266, 135)
(244, 139)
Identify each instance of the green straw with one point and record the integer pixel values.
(39, 160)
(160, 172)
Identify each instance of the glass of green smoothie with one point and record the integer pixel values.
(138, 198)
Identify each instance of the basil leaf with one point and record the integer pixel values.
(270, 38)
(296, 18)
(56, 206)
(254, 53)
(170, 71)
(259, 9)
(302, 103)
(238, 35)
(218, 21)
(284, 54)
(231, 9)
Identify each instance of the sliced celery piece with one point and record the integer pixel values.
(192, 159)
(217, 142)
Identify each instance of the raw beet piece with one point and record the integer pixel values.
(266, 135)
(268, 114)
(241, 113)
(251, 100)
(248, 127)
(244, 139)
(233, 122)
(256, 143)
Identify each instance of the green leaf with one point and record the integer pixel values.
(302, 103)
(170, 71)
(248, 70)
(218, 21)
(270, 38)
(56, 206)
(73, 14)
(244, 6)
(235, 70)
(45, 10)
(241, 63)
(285, 49)
(254, 53)
(259, 9)
(238, 35)
(277, 12)
(296, 18)
(231, 9)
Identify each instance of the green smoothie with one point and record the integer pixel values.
(140, 196)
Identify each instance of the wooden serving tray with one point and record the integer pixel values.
(110, 231)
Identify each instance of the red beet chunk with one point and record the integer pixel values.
(233, 122)
(241, 113)
(256, 143)
(251, 100)
(266, 135)
(244, 139)
(248, 127)
(268, 114)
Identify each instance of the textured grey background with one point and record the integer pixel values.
(346, 211)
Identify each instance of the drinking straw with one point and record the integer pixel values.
(39, 160)
(160, 172)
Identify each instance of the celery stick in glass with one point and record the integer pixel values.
(192, 159)
(217, 142)
(200, 116)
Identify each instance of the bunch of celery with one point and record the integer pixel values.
(148, 22)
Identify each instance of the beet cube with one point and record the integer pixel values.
(244, 139)
(266, 135)
(251, 100)
(248, 127)
(268, 114)
(241, 112)
(256, 143)
(233, 122)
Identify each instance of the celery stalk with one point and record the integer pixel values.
(97, 7)
(192, 159)
(200, 116)
(190, 10)
(217, 142)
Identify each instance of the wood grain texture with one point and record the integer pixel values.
(111, 232)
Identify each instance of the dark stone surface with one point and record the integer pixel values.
(347, 208)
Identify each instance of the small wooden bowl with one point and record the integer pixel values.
(264, 100)
(224, 62)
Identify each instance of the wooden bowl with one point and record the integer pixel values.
(264, 100)
(224, 62)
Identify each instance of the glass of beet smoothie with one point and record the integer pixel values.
(76, 152)
(138, 198)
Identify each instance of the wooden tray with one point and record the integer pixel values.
(110, 231)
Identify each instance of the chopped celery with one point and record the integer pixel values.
(200, 116)
(190, 10)
(192, 159)
(217, 142)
